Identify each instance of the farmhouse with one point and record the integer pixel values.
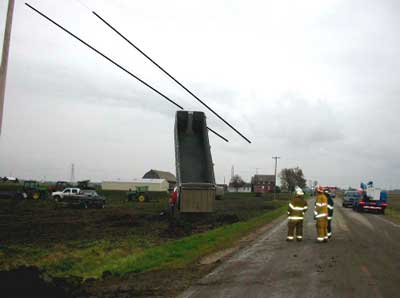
(263, 183)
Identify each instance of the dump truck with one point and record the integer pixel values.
(194, 165)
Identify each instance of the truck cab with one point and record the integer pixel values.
(66, 192)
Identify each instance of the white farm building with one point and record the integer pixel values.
(153, 184)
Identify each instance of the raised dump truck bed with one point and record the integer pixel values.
(194, 166)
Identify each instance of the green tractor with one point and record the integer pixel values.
(140, 194)
(34, 191)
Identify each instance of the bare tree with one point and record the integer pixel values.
(236, 182)
(290, 178)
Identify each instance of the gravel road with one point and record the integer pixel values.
(361, 260)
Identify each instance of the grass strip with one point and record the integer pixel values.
(182, 252)
(393, 213)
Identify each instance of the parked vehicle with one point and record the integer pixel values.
(86, 184)
(10, 190)
(139, 194)
(60, 185)
(371, 199)
(349, 197)
(32, 190)
(74, 197)
(66, 192)
(144, 194)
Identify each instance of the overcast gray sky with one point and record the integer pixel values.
(316, 82)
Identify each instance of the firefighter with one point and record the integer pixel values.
(297, 208)
(330, 212)
(321, 215)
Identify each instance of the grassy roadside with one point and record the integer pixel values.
(90, 259)
(393, 210)
(187, 250)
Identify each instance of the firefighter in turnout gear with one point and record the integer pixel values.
(297, 208)
(330, 212)
(321, 215)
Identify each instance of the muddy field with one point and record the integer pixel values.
(35, 232)
(41, 223)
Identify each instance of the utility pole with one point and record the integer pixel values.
(72, 178)
(4, 57)
(276, 164)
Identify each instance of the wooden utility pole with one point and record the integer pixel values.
(4, 57)
(276, 164)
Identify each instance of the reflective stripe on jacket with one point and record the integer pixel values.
(296, 209)
(321, 206)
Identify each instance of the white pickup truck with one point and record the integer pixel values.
(66, 192)
(77, 197)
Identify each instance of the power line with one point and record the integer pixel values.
(116, 64)
(217, 134)
(104, 56)
(169, 75)
(83, 4)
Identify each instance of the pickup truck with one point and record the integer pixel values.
(75, 197)
(66, 192)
